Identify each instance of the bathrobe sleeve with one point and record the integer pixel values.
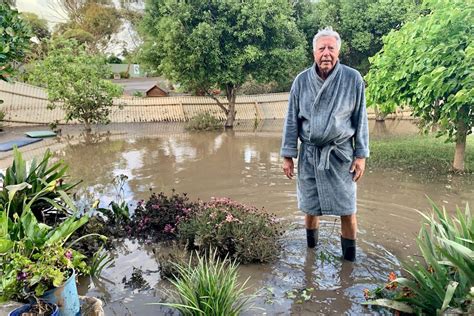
(289, 146)
(360, 122)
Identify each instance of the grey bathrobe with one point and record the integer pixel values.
(330, 119)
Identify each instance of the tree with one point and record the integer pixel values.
(14, 40)
(112, 59)
(429, 64)
(11, 3)
(205, 44)
(75, 80)
(40, 33)
(102, 22)
(361, 24)
(94, 22)
(80, 36)
(38, 25)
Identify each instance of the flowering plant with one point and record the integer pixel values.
(25, 275)
(159, 217)
(241, 232)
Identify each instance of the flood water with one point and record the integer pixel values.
(245, 166)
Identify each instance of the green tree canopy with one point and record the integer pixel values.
(15, 37)
(204, 44)
(40, 33)
(92, 22)
(76, 80)
(429, 65)
(82, 37)
(361, 24)
(38, 25)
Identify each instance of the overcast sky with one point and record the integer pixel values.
(41, 7)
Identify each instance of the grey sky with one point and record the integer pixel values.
(41, 7)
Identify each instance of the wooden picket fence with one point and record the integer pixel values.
(27, 104)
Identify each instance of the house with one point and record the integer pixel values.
(155, 91)
(145, 87)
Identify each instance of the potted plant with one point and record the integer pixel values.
(33, 255)
(39, 308)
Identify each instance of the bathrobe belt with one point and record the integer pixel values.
(336, 147)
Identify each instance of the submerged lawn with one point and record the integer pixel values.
(418, 153)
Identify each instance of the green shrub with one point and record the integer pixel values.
(138, 94)
(253, 87)
(124, 75)
(204, 122)
(209, 288)
(242, 233)
(444, 281)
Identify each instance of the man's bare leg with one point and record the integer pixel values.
(348, 236)
(312, 230)
(311, 221)
(349, 226)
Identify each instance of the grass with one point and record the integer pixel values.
(418, 153)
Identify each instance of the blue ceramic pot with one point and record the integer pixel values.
(25, 308)
(65, 297)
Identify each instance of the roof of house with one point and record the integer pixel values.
(140, 84)
(157, 86)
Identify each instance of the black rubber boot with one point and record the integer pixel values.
(348, 249)
(312, 236)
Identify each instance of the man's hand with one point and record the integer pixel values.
(288, 167)
(358, 168)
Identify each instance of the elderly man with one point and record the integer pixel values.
(327, 113)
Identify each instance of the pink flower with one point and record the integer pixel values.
(169, 229)
(229, 218)
(68, 254)
(21, 276)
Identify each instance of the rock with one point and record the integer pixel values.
(91, 306)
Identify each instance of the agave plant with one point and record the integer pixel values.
(38, 176)
(444, 281)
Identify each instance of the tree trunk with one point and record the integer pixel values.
(231, 93)
(87, 127)
(458, 163)
(461, 135)
(379, 116)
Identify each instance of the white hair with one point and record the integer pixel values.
(327, 31)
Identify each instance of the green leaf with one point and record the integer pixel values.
(399, 306)
(61, 233)
(14, 188)
(467, 253)
(5, 245)
(449, 295)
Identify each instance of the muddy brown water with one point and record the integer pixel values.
(245, 166)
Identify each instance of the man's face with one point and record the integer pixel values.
(326, 53)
